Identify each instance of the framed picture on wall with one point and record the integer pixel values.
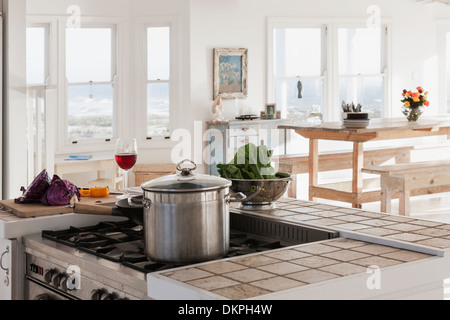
(271, 109)
(230, 73)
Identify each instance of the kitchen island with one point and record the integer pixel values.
(376, 256)
(370, 256)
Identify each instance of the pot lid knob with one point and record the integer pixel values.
(186, 171)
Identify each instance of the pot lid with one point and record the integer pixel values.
(186, 181)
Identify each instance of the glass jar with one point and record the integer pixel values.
(315, 117)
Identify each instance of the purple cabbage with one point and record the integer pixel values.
(60, 192)
(35, 190)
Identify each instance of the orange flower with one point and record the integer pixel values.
(407, 104)
(419, 89)
(415, 95)
(415, 99)
(426, 103)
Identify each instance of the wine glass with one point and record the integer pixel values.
(126, 156)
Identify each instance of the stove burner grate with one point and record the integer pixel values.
(124, 243)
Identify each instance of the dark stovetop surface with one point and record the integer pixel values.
(123, 242)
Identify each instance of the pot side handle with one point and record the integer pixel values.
(236, 197)
(144, 203)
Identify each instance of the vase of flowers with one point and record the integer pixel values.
(413, 103)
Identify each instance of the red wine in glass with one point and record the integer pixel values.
(126, 160)
(126, 156)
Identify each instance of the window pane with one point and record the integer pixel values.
(297, 52)
(296, 109)
(36, 55)
(158, 53)
(88, 54)
(158, 119)
(368, 91)
(359, 51)
(90, 114)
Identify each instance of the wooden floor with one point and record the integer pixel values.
(434, 207)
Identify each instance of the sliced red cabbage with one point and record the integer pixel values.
(35, 190)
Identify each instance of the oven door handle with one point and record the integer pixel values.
(1, 260)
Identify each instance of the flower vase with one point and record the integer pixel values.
(412, 114)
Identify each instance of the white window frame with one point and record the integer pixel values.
(274, 23)
(142, 23)
(331, 108)
(443, 27)
(50, 98)
(64, 146)
(384, 63)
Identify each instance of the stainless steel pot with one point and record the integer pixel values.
(186, 217)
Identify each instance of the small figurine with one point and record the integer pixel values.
(217, 110)
(300, 89)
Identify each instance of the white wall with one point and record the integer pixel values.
(14, 107)
(242, 23)
(209, 24)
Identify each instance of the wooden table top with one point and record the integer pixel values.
(378, 125)
(378, 129)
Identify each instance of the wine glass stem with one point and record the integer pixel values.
(125, 183)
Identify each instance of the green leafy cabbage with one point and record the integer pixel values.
(250, 162)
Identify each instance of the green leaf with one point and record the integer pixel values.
(249, 162)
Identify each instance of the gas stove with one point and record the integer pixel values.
(107, 260)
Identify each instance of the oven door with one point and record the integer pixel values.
(37, 291)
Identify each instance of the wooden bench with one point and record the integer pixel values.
(410, 179)
(329, 161)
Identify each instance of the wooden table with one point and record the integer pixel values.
(379, 129)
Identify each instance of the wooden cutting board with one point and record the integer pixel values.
(29, 210)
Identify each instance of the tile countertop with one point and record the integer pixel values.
(394, 244)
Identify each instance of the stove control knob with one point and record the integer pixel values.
(98, 294)
(63, 278)
(110, 296)
(56, 279)
(48, 275)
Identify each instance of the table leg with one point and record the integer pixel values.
(403, 202)
(358, 162)
(386, 194)
(313, 163)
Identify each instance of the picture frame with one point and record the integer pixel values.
(230, 73)
(271, 109)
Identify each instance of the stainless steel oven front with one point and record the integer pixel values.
(38, 291)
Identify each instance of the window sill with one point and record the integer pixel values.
(103, 146)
